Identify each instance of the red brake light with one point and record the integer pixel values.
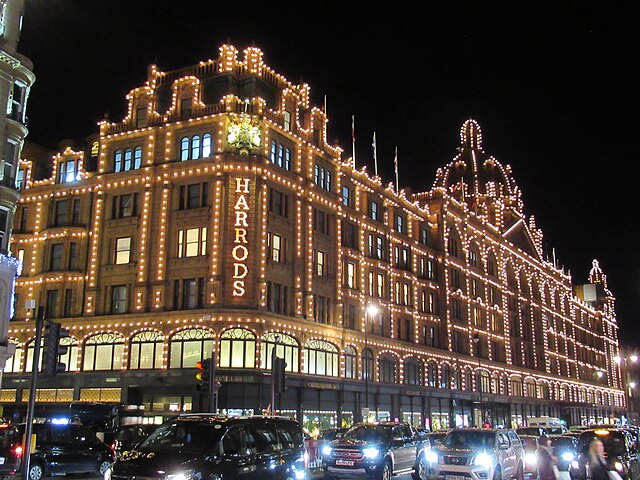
(18, 450)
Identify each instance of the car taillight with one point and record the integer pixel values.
(18, 451)
(113, 447)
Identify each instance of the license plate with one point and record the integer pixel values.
(454, 477)
(345, 463)
(1, 460)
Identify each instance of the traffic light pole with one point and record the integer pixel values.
(26, 451)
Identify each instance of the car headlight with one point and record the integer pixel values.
(531, 459)
(326, 450)
(568, 456)
(618, 466)
(371, 452)
(575, 464)
(431, 457)
(179, 476)
(483, 460)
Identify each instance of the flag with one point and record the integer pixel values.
(375, 155)
(395, 164)
(353, 139)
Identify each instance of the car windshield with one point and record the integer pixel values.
(614, 444)
(529, 442)
(528, 431)
(370, 433)
(555, 430)
(562, 442)
(469, 439)
(184, 436)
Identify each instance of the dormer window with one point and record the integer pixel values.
(141, 117)
(186, 107)
(67, 171)
(129, 159)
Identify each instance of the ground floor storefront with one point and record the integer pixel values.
(315, 402)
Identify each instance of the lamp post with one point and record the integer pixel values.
(476, 341)
(370, 311)
(628, 384)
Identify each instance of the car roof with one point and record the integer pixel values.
(215, 417)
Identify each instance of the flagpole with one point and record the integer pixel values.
(353, 140)
(375, 155)
(396, 167)
(326, 116)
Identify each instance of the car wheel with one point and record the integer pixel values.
(103, 466)
(36, 472)
(420, 472)
(387, 471)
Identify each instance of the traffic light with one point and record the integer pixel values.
(278, 372)
(53, 350)
(205, 375)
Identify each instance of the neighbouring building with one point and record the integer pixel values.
(16, 79)
(216, 217)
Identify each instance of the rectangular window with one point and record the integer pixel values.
(119, 299)
(276, 245)
(73, 256)
(123, 250)
(287, 120)
(141, 117)
(351, 275)
(192, 293)
(57, 251)
(320, 263)
(75, 212)
(24, 216)
(278, 203)
(380, 285)
(406, 294)
(400, 224)
(321, 221)
(374, 210)
(346, 196)
(276, 297)
(322, 312)
(61, 213)
(68, 302)
(193, 196)
(322, 177)
(51, 308)
(125, 206)
(192, 242)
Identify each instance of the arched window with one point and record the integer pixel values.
(146, 350)
(190, 346)
(515, 385)
(184, 149)
(456, 379)
(137, 158)
(117, 161)
(72, 358)
(492, 268)
(445, 376)
(432, 375)
(474, 255)
(495, 383)
(286, 347)
(453, 243)
(274, 150)
(468, 380)
(483, 382)
(367, 364)
(287, 159)
(28, 365)
(530, 388)
(237, 349)
(103, 352)
(388, 369)
(128, 159)
(543, 390)
(321, 358)
(13, 362)
(412, 372)
(206, 145)
(350, 362)
(195, 147)
(563, 393)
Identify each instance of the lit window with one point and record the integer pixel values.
(351, 275)
(206, 145)
(380, 285)
(192, 242)
(287, 120)
(123, 250)
(119, 299)
(276, 247)
(195, 147)
(346, 196)
(319, 263)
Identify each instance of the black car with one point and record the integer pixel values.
(377, 451)
(330, 434)
(620, 451)
(128, 436)
(534, 431)
(206, 446)
(565, 448)
(59, 449)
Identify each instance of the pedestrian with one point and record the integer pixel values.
(596, 463)
(546, 460)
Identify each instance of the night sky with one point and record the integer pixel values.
(553, 88)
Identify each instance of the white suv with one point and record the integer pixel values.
(478, 454)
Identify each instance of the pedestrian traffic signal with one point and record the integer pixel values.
(204, 375)
(53, 350)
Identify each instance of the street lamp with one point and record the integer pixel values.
(370, 311)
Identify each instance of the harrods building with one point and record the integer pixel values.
(215, 217)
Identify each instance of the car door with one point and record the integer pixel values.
(85, 447)
(518, 448)
(237, 459)
(505, 454)
(262, 441)
(400, 449)
(55, 445)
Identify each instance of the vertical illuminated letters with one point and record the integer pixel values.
(240, 252)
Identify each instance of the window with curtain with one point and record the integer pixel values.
(350, 362)
(388, 369)
(146, 350)
(367, 365)
(103, 351)
(72, 358)
(188, 347)
(237, 349)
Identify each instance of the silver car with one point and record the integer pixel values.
(478, 454)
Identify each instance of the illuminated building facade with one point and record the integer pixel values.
(16, 79)
(216, 217)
